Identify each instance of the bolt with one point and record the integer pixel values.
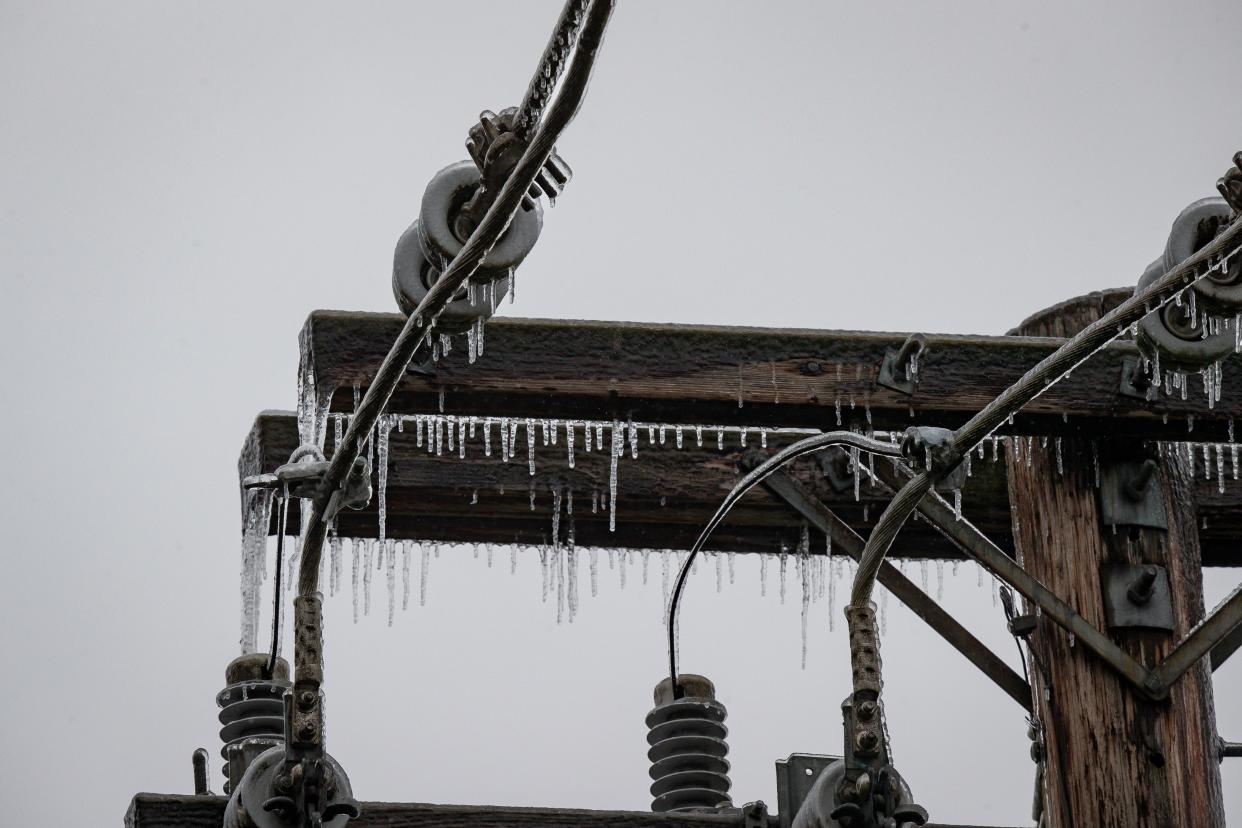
(812, 367)
(867, 740)
(1136, 487)
(1144, 586)
(307, 699)
(306, 732)
(867, 710)
(284, 783)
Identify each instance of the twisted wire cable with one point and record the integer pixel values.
(560, 44)
(418, 331)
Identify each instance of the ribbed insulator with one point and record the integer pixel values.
(688, 748)
(251, 710)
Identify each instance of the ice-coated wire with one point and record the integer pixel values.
(413, 334)
(560, 44)
(791, 452)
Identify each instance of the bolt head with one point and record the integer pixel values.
(867, 710)
(306, 732)
(307, 699)
(866, 740)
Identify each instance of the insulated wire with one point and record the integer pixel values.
(808, 445)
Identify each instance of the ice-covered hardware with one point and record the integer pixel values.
(900, 368)
(1230, 184)
(427, 247)
(1174, 337)
(930, 448)
(251, 712)
(1220, 291)
(495, 146)
(304, 480)
(686, 734)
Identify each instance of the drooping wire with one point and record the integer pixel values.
(808, 445)
(274, 651)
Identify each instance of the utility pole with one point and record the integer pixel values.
(1111, 757)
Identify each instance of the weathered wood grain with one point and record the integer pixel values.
(1113, 759)
(755, 376)
(429, 497)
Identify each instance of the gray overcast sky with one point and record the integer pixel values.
(180, 184)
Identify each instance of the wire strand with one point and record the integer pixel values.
(808, 445)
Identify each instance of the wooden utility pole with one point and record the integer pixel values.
(1112, 758)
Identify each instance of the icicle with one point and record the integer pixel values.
(354, 583)
(587, 437)
(763, 575)
(1060, 461)
(461, 438)
(1220, 468)
(677, 435)
(939, 581)
(741, 435)
(924, 574)
(698, 436)
(594, 561)
(719, 572)
(631, 432)
(569, 442)
(424, 571)
(719, 438)
(806, 597)
(663, 430)
(530, 445)
(383, 429)
(783, 562)
(618, 448)
(405, 574)
(957, 504)
(391, 562)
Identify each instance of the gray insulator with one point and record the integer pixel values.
(688, 748)
(252, 714)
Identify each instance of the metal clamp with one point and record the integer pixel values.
(495, 147)
(900, 368)
(304, 480)
(1136, 379)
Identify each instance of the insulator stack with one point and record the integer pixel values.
(688, 748)
(252, 714)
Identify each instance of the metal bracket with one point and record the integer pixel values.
(1136, 382)
(1137, 596)
(1128, 496)
(900, 368)
(794, 778)
(834, 463)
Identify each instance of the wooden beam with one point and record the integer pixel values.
(430, 498)
(172, 811)
(752, 376)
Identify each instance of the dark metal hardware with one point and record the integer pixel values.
(1136, 379)
(900, 368)
(495, 146)
(836, 466)
(1137, 596)
(1230, 184)
(202, 784)
(931, 448)
(305, 480)
(1128, 496)
(1230, 750)
(795, 776)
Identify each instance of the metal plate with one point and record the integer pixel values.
(794, 778)
(1119, 506)
(1120, 610)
